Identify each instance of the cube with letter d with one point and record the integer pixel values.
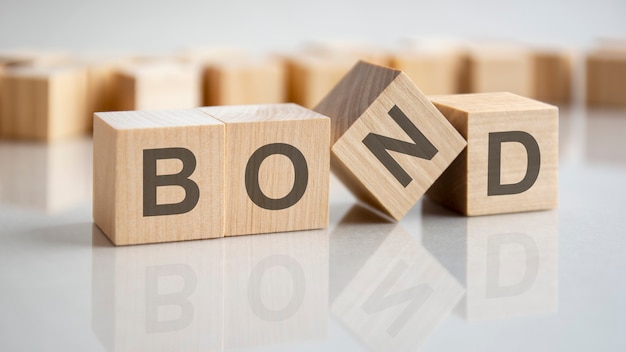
(511, 160)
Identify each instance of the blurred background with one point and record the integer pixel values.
(279, 24)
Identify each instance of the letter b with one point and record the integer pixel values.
(151, 181)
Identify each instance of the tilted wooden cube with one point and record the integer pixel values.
(511, 160)
(245, 82)
(277, 168)
(43, 103)
(606, 76)
(389, 142)
(158, 176)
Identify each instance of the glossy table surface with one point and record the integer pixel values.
(435, 281)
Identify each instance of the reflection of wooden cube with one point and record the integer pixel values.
(552, 76)
(43, 103)
(511, 160)
(46, 177)
(156, 298)
(434, 70)
(158, 176)
(391, 293)
(376, 111)
(498, 68)
(277, 170)
(159, 85)
(606, 76)
(275, 289)
(245, 82)
(512, 273)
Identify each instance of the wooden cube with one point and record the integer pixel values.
(245, 82)
(155, 85)
(391, 293)
(606, 76)
(157, 298)
(277, 174)
(435, 70)
(552, 76)
(511, 160)
(43, 103)
(102, 95)
(158, 176)
(498, 68)
(375, 111)
(311, 77)
(276, 289)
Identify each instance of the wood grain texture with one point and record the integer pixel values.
(464, 186)
(606, 76)
(358, 113)
(252, 127)
(553, 76)
(240, 82)
(155, 85)
(43, 103)
(119, 141)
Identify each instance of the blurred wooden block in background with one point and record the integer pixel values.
(435, 67)
(553, 75)
(375, 110)
(244, 81)
(102, 94)
(277, 174)
(318, 66)
(511, 160)
(498, 67)
(606, 76)
(159, 85)
(158, 176)
(43, 103)
(310, 78)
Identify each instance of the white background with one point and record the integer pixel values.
(275, 25)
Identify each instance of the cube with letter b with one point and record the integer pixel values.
(390, 142)
(158, 176)
(511, 160)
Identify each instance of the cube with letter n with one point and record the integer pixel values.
(389, 142)
(511, 160)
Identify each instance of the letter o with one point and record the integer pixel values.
(301, 178)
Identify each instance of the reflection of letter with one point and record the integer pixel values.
(300, 181)
(298, 288)
(391, 293)
(379, 146)
(494, 249)
(155, 299)
(382, 300)
(494, 187)
(151, 181)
